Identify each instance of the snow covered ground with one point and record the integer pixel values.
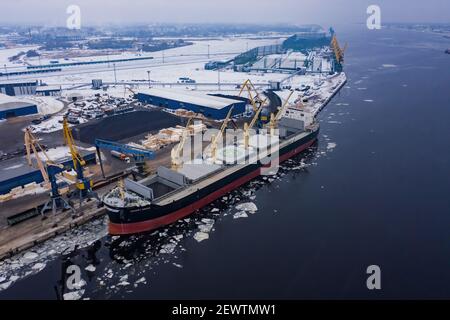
(5, 54)
(46, 105)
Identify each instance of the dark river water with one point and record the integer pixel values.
(374, 191)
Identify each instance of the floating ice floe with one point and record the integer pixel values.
(240, 214)
(90, 268)
(74, 295)
(247, 207)
(331, 145)
(200, 236)
(368, 100)
(30, 256)
(38, 266)
(80, 284)
(167, 248)
(141, 280)
(178, 237)
(4, 286)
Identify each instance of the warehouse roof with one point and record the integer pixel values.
(194, 97)
(8, 103)
(18, 82)
(48, 88)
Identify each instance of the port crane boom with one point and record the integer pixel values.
(176, 156)
(215, 138)
(49, 169)
(83, 184)
(274, 118)
(254, 97)
(248, 127)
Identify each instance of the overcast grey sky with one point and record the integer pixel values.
(327, 12)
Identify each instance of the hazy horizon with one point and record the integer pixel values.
(121, 12)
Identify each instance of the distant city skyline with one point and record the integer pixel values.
(121, 12)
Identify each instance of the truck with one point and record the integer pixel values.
(120, 156)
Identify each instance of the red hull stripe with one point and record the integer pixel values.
(137, 227)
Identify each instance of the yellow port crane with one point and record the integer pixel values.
(248, 127)
(274, 118)
(84, 185)
(338, 51)
(49, 169)
(32, 144)
(176, 153)
(215, 138)
(253, 94)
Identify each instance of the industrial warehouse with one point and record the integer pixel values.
(18, 88)
(12, 107)
(209, 105)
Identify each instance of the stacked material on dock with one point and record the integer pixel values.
(185, 113)
(169, 135)
(28, 189)
(15, 172)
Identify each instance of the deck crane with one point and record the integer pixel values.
(248, 127)
(176, 153)
(215, 138)
(49, 170)
(274, 118)
(140, 155)
(255, 99)
(83, 184)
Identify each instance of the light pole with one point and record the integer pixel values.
(115, 74)
(163, 56)
(208, 51)
(218, 78)
(6, 71)
(149, 82)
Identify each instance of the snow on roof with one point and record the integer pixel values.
(18, 82)
(8, 102)
(5, 98)
(48, 88)
(198, 98)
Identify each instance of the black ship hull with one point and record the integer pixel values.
(141, 219)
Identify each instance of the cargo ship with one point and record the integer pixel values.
(173, 194)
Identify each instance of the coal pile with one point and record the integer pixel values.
(124, 126)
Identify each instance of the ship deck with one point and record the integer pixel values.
(218, 175)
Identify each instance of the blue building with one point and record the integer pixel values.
(16, 172)
(48, 91)
(18, 88)
(10, 107)
(209, 105)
